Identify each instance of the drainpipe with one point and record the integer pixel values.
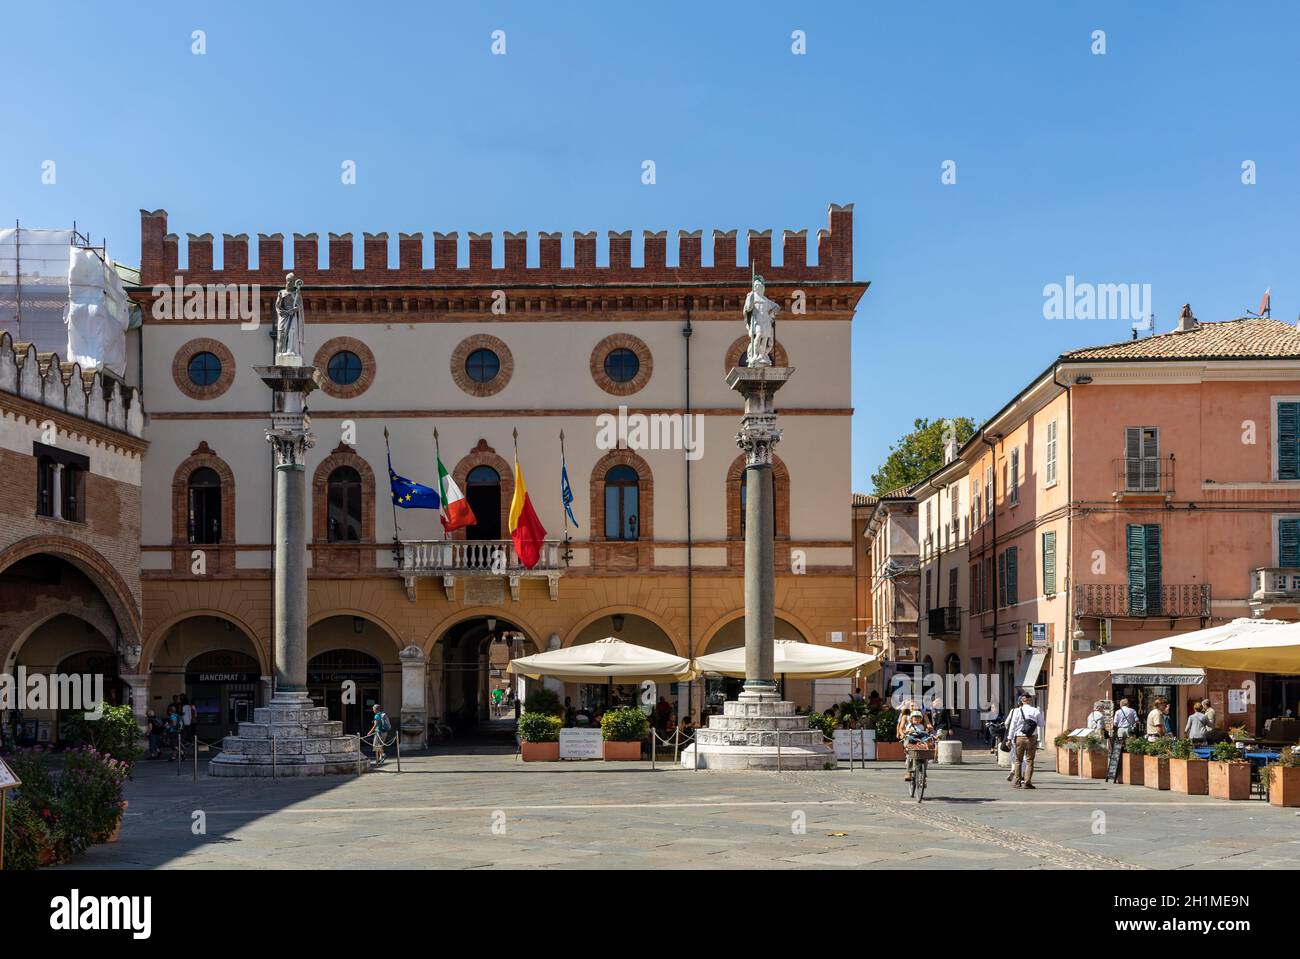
(687, 330)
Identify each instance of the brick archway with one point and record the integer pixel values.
(484, 455)
(735, 529)
(203, 456)
(342, 455)
(121, 601)
(638, 553)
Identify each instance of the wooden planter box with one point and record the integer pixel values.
(540, 752)
(1067, 761)
(1191, 777)
(1093, 763)
(1131, 768)
(890, 752)
(1155, 772)
(1284, 786)
(622, 751)
(1230, 780)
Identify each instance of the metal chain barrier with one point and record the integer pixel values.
(677, 742)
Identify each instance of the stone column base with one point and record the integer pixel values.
(745, 737)
(290, 737)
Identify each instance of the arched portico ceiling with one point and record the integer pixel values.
(461, 616)
(158, 635)
(731, 626)
(637, 626)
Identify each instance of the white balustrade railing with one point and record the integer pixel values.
(484, 556)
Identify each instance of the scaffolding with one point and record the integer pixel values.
(60, 292)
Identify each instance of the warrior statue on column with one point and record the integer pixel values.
(289, 320)
(760, 321)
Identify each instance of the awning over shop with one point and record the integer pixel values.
(1275, 650)
(1157, 652)
(1030, 667)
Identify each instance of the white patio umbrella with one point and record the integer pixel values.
(794, 660)
(1155, 657)
(1275, 649)
(604, 660)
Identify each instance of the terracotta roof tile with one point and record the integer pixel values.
(1250, 337)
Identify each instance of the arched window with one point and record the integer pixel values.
(622, 503)
(483, 492)
(203, 502)
(343, 505)
(344, 368)
(743, 476)
(482, 366)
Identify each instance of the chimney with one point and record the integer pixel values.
(1187, 322)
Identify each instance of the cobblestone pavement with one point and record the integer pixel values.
(485, 809)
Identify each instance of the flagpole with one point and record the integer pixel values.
(437, 469)
(568, 552)
(397, 539)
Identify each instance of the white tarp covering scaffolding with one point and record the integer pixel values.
(63, 297)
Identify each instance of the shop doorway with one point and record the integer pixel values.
(347, 683)
(222, 685)
(1142, 698)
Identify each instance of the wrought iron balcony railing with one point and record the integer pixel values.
(1138, 475)
(1106, 600)
(945, 621)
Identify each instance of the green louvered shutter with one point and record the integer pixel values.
(1002, 580)
(1288, 543)
(1137, 570)
(1288, 441)
(1151, 533)
(1013, 590)
(1049, 563)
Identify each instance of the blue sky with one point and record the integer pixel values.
(1119, 168)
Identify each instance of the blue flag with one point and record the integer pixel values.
(408, 495)
(566, 494)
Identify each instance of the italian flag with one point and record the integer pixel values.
(525, 528)
(455, 508)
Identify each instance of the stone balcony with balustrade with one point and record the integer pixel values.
(477, 560)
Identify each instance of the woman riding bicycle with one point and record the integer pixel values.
(916, 732)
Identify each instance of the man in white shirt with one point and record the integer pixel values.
(1126, 720)
(1023, 728)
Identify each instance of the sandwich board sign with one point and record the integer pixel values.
(8, 781)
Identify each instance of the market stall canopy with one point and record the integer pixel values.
(794, 660)
(605, 659)
(1272, 650)
(1138, 660)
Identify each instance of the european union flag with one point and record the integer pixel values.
(410, 495)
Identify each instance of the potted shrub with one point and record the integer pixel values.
(1282, 779)
(823, 722)
(623, 731)
(1229, 772)
(1067, 755)
(888, 748)
(543, 700)
(1131, 763)
(1093, 757)
(1155, 763)
(539, 737)
(1238, 734)
(1188, 773)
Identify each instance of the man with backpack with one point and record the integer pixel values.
(1022, 736)
(378, 729)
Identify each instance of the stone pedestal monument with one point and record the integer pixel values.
(759, 730)
(290, 737)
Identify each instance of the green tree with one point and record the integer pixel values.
(920, 452)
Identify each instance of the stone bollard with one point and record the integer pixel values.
(949, 753)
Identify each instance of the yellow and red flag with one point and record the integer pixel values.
(526, 529)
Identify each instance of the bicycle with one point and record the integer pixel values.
(440, 731)
(922, 752)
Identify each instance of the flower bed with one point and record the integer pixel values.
(52, 818)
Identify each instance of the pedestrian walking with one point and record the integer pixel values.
(1022, 733)
(1126, 720)
(378, 728)
(1155, 727)
(942, 720)
(1211, 717)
